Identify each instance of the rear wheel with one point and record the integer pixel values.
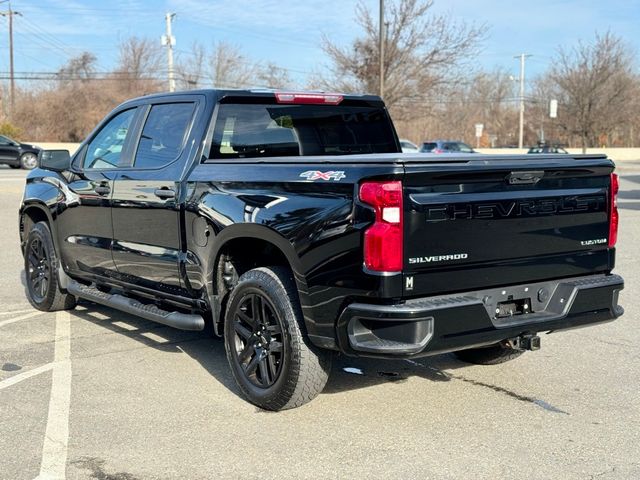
(28, 161)
(491, 355)
(40, 265)
(271, 359)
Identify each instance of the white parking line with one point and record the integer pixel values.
(7, 382)
(56, 438)
(14, 312)
(17, 319)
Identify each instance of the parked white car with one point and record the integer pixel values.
(408, 146)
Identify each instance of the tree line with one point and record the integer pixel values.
(432, 84)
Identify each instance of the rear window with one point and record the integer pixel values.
(427, 147)
(258, 130)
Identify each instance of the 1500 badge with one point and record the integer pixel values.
(597, 241)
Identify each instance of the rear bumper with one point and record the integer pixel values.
(432, 325)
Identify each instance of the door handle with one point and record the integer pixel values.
(102, 189)
(165, 193)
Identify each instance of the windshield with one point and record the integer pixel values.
(258, 130)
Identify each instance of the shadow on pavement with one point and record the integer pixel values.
(209, 352)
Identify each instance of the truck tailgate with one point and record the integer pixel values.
(485, 222)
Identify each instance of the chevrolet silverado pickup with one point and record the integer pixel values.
(291, 225)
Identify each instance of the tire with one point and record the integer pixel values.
(15, 166)
(41, 266)
(28, 161)
(271, 359)
(492, 355)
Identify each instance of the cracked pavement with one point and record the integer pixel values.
(149, 402)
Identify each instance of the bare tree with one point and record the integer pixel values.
(191, 68)
(230, 68)
(139, 66)
(595, 85)
(423, 51)
(273, 76)
(81, 67)
(452, 110)
(226, 66)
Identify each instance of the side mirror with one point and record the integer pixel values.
(56, 160)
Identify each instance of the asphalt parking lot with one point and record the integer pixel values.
(95, 393)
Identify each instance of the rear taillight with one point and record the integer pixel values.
(383, 240)
(309, 98)
(437, 150)
(613, 210)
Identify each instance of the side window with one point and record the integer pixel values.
(163, 134)
(105, 149)
(4, 140)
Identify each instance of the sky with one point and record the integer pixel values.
(289, 32)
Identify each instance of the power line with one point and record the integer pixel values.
(49, 39)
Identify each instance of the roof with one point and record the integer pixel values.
(217, 94)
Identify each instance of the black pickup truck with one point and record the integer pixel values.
(291, 225)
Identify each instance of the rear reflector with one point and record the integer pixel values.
(613, 210)
(309, 98)
(383, 240)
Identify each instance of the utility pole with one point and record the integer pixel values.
(169, 41)
(522, 58)
(381, 47)
(10, 13)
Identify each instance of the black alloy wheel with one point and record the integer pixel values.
(41, 266)
(39, 270)
(258, 344)
(272, 360)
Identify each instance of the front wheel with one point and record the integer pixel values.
(40, 265)
(272, 360)
(29, 161)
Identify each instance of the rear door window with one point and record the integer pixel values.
(274, 130)
(164, 134)
(428, 147)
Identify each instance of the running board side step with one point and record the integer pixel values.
(182, 321)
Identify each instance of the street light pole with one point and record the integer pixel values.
(522, 58)
(12, 82)
(169, 40)
(381, 47)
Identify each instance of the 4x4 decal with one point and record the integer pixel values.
(313, 175)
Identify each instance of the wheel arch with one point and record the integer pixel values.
(31, 213)
(247, 247)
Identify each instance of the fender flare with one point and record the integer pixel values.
(37, 204)
(30, 204)
(263, 233)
